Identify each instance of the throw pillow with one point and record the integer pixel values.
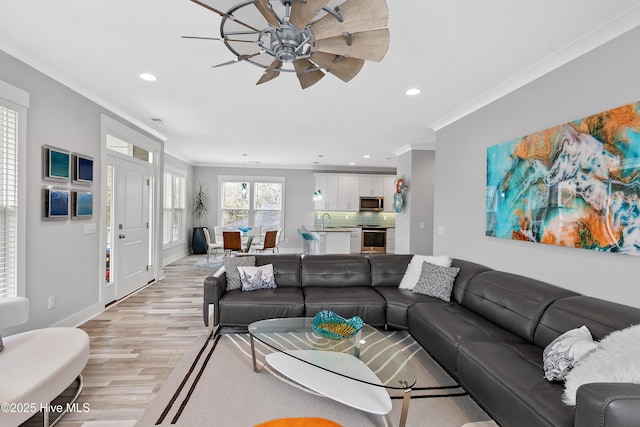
(414, 269)
(231, 264)
(436, 281)
(562, 354)
(254, 278)
(615, 360)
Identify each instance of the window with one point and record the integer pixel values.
(8, 201)
(174, 208)
(252, 201)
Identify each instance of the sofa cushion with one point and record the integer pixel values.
(335, 271)
(468, 270)
(398, 303)
(442, 328)
(388, 269)
(238, 308)
(601, 317)
(286, 268)
(347, 302)
(507, 378)
(513, 302)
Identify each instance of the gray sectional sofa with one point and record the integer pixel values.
(490, 337)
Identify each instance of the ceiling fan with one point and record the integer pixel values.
(307, 37)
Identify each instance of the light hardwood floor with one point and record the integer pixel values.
(136, 343)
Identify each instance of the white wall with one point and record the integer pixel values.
(61, 260)
(600, 80)
(299, 187)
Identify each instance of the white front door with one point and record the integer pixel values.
(131, 234)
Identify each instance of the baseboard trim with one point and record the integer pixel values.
(80, 317)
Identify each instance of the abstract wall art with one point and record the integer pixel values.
(56, 203)
(574, 185)
(82, 202)
(82, 169)
(56, 164)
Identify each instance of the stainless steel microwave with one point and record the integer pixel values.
(375, 204)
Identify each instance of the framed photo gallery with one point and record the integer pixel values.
(62, 168)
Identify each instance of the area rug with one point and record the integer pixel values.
(214, 384)
(213, 264)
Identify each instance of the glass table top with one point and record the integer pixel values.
(295, 337)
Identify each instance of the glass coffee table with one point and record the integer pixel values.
(356, 371)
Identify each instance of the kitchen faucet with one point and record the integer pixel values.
(327, 214)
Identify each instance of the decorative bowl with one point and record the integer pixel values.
(328, 324)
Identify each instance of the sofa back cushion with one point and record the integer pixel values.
(513, 302)
(600, 316)
(335, 271)
(286, 268)
(388, 269)
(467, 271)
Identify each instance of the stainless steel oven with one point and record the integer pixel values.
(374, 240)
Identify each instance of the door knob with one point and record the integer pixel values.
(121, 236)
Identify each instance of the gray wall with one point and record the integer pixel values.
(600, 80)
(299, 206)
(61, 260)
(414, 225)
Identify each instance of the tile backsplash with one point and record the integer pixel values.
(351, 219)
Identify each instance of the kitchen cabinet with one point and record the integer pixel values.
(348, 193)
(328, 183)
(391, 240)
(356, 240)
(371, 185)
(388, 192)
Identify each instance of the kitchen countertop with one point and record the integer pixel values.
(327, 229)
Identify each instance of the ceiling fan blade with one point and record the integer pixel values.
(303, 13)
(265, 9)
(357, 15)
(271, 72)
(307, 78)
(218, 38)
(369, 45)
(224, 14)
(238, 59)
(343, 68)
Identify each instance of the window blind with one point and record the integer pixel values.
(8, 201)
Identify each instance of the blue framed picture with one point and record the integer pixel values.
(56, 163)
(56, 203)
(82, 169)
(82, 202)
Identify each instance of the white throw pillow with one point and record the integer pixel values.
(414, 269)
(563, 353)
(254, 278)
(615, 360)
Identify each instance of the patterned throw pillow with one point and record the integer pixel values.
(562, 354)
(254, 278)
(231, 264)
(436, 281)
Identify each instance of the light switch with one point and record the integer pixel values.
(441, 230)
(421, 224)
(90, 228)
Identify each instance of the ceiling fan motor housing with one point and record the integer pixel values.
(287, 43)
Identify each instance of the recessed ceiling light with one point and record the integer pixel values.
(413, 91)
(366, 156)
(352, 163)
(148, 77)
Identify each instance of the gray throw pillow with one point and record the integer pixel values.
(562, 354)
(231, 264)
(436, 281)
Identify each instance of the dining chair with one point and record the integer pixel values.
(211, 245)
(269, 241)
(278, 237)
(231, 241)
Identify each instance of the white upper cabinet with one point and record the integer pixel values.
(348, 196)
(371, 185)
(388, 192)
(328, 183)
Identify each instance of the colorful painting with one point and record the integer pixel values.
(575, 185)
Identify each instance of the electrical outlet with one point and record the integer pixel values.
(52, 302)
